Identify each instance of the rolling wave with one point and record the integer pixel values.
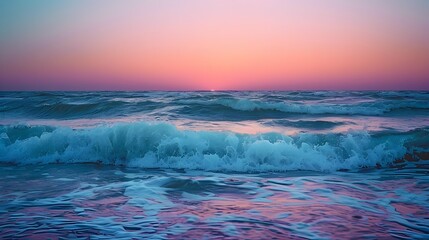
(161, 145)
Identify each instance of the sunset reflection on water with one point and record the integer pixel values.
(131, 203)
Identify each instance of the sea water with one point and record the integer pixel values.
(207, 165)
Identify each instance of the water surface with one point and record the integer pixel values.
(213, 165)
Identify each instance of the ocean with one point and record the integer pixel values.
(214, 165)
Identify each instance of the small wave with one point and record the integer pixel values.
(71, 110)
(160, 145)
(290, 107)
(61, 110)
(360, 108)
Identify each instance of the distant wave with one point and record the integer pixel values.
(160, 145)
(61, 110)
(208, 106)
(365, 108)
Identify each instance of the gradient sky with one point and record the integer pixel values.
(214, 44)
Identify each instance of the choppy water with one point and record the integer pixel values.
(214, 165)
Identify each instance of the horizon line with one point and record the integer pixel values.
(224, 90)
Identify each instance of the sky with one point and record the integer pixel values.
(214, 45)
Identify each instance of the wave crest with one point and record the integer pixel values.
(162, 145)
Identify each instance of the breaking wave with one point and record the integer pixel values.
(161, 145)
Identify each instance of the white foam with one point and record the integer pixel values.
(164, 146)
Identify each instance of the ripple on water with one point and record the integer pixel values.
(86, 200)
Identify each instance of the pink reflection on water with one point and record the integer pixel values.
(411, 210)
(233, 207)
(106, 207)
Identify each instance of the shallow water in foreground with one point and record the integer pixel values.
(106, 202)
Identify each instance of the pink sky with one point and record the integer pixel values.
(214, 44)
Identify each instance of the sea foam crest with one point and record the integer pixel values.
(161, 145)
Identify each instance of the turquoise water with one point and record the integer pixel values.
(213, 165)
